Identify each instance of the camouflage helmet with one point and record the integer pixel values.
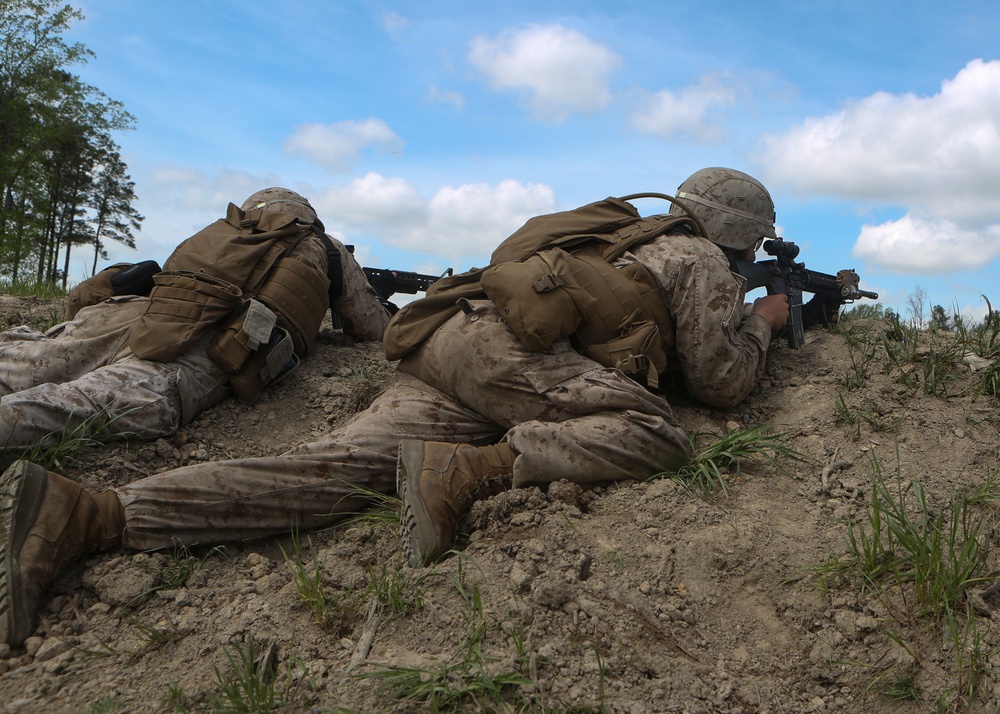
(735, 208)
(282, 200)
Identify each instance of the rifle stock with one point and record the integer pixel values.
(784, 275)
(388, 282)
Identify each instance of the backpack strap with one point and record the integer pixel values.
(334, 264)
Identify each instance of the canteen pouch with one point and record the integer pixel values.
(269, 364)
(537, 297)
(241, 336)
(183, 306)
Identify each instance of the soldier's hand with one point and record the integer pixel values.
(821, 310)
(774, 309)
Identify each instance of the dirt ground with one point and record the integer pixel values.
(638, 598)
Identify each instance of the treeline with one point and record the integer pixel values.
(64, 183)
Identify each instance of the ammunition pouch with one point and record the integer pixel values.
(269, 364)
(298, 294)
(629, 352)
(241, 336)
(184, 305)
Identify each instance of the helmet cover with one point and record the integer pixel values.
(735, 208)
(282, 200)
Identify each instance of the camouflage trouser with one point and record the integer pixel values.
(82, 372)
(564, 416)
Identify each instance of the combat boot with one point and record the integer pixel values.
(46, 522)
(438, 483)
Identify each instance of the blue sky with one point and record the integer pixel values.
(425, 132)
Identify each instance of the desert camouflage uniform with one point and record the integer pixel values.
(55, 381)
(564, 416)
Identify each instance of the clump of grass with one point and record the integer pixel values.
(250, 688)
(852, 419)
(153, 637)
(930, 556)
(173, 568)
(926, 361)
(333, 612)
(44, 290)
(862, 351)
(924, 560)
(59, 449)
(724, 455)
(465, 678)
(971, 661)
(397, 592)
(903, 689)
(383, 509)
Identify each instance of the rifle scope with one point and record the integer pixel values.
(781, 248)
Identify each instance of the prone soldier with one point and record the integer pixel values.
(144, 351)
(473, 408)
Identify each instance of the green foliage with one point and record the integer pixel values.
(862, 352)
(397, 591)
(724, 455)
(863, 311)
(945, 356)
(106, 705)
(923, 560)
(931, 556)
(924, 361)
(468, 677)
(851, 418)
(153, 637)
(972, 660)
(30, 287)
(177, 567)
(57, 451)
(939, 319)
(62, 178)
(336, 613)
(249, 689)
(902, 690)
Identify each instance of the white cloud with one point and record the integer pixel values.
(373, 202)
(337, 146)
(393, 23)
(464, 221)
(443, 96)
(558, 69)
(691, 113)
(938, 151)
(935, 156)
(915, 245)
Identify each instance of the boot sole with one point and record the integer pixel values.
(22, 488)
(419, 537)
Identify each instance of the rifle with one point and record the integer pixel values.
(784, 275)
(388, 282)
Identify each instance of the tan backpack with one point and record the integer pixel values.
(554, 278)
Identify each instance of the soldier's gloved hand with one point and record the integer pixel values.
(774, 309)
(822, 309)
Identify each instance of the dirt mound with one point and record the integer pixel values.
(638, 597)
